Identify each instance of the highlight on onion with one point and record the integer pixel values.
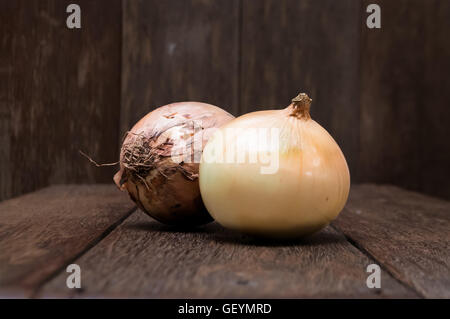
(274, 173)
(160, 157)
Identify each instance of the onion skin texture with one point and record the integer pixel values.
(306, 193)
(154, 168)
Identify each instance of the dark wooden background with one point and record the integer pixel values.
(383, 94)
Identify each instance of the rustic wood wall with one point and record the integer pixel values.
(62, 93)
(383, 94)
(435, 114)
(371, 88)
(177, 51)
(405, 96)
(310, 46)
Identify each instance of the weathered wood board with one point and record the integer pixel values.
(382, 94)
(406, 232)
(60, 93)
(405, 94)
(143, 258)
(293, 46)
(178, 51)
(42, 232)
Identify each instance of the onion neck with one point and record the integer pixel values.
(300, 106)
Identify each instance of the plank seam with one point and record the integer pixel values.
(36, 290)
(382, 266)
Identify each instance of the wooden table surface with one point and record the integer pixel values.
(124, 253)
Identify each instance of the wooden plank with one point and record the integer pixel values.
(43, 231)
(310, 46)
(404, 96)
(407, 232)
(5, 164)
(6, 25)
(64, 91)
(391, 79)
(435, 111)
(143, 258)
(178, 51)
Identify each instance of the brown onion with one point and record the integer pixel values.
(159, 161)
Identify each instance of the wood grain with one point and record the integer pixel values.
(391, 98)
(5, 163)
(407, 232)
(404, 97)
(382, 94)
(44, 231)
(143, 258)
(295, 46)
(6, 22)
(63, 92)
(178, 51)
(435, 112)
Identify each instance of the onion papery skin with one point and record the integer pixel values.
(308, 190)
(154, 169)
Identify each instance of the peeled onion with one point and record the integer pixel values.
(290, 181)
(159, 161)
